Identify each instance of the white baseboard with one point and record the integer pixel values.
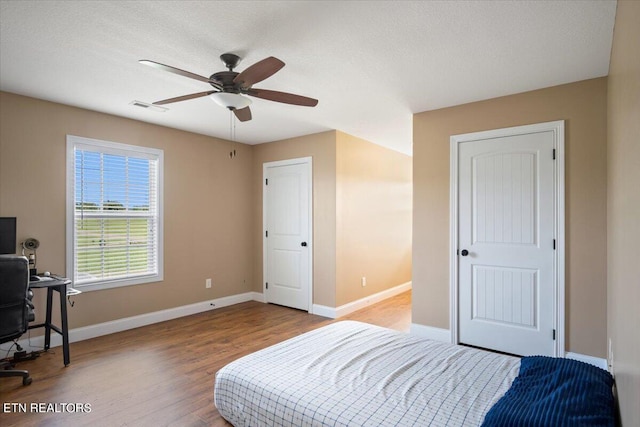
(106, 328)
(595, 361)
(258, 296)
(343, 310)
(324, 311)
(430, 332)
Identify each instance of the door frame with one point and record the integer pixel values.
(557, 127)
(265, 166)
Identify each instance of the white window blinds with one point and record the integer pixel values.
(116, 213)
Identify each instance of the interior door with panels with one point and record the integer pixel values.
(287, 234)
(507, 237)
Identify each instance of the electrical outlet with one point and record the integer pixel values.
(207, 283)
(363, 281)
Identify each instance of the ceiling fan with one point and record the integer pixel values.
(230, 86)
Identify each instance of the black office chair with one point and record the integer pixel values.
(16, 309)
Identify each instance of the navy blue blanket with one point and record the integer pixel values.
(555, 392)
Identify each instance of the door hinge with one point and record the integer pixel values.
(554, 334)
(554, 154)
(554, 244)
(267, 284)
(266, 233)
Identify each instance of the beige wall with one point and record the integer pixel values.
(322, 148)
(373, 211)
(583, 106)
(207, 206)
(623, 204)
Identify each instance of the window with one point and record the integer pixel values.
(114, 214)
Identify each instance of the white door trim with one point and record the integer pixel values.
(557, 127)
(265, 166)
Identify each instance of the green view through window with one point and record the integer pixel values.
(115, 214)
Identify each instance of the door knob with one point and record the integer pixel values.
(464, 252)
(303, 244)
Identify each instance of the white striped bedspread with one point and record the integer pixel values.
(355, 374)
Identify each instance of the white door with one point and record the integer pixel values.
(507, 242)
(287, 233)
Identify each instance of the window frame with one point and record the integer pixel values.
(119, 149)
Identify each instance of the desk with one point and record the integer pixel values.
(58, 284)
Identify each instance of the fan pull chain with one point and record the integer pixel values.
(232, 133)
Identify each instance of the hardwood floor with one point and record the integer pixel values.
(163, 374)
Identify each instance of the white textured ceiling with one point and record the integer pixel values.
(372, 64)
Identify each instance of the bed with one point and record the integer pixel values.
(355, 374)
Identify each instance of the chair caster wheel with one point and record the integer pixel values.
(27, 381)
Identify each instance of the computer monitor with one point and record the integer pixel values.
(7, 235)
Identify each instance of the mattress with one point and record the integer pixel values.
(355, 374)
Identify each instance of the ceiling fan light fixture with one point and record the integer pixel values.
(233, 101)
(230, 86)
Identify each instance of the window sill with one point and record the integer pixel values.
(110, 284)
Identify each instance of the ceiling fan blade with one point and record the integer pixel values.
(243, 114)
(286, 98)
(258, 72)
(174, 70)
(184, 97)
